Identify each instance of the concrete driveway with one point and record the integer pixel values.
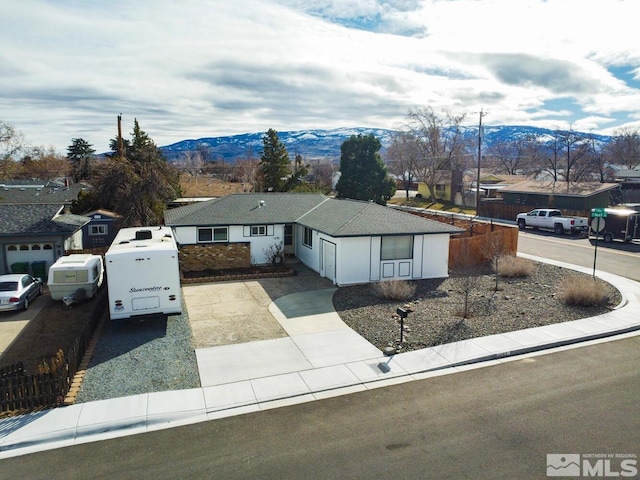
(226, 313)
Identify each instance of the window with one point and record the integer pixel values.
(440, 187)
(396, 248)
(97, 229)
(307, 239)
(257, 230)
(213, 234)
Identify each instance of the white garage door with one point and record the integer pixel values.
(29, 253)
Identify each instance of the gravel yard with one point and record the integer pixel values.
(437, 305)
(133, 357)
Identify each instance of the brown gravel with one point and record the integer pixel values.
(437, 306)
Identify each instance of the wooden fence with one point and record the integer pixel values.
(20, 393)
(479, 241)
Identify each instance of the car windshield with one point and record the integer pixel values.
(8, 286)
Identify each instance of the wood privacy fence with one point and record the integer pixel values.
(21, 393)
(503, 211)
(480, 240)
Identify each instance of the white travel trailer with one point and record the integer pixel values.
(72, 273)
(143, 275)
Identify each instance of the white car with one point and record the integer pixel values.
(17, 290)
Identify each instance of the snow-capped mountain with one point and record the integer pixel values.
(313, 144)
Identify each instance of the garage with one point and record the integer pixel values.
(29, 253)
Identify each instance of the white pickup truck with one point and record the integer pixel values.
(552, 219)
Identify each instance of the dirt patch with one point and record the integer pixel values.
(55, 327)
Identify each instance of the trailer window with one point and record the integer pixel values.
(213, 234)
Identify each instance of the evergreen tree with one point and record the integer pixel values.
(137, 186)
(363, 175)
(275, 166)
(79, 153)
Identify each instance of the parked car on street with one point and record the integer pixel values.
(18, 290)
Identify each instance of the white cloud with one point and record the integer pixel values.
(198, 68)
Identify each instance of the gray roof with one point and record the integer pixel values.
(39, 191)
(245, 209)
(338, 218)
(37, 220)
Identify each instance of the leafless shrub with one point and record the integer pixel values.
(583, 292)
(274, 254)
(394, 290)
(511, 266)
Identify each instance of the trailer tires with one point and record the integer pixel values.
(607, 237)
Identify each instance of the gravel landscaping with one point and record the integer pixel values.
(436, 307)
(139, 357)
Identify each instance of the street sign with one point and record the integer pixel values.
(598, 212)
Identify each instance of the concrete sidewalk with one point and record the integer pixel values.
(319, 358)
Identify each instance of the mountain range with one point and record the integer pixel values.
(314, 144)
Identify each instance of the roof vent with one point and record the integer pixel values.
(143, 235)
(261, 204)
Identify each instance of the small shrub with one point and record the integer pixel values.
(511, 266)
(394, 290)
(583, 292)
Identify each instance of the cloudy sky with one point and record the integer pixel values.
(204, 68)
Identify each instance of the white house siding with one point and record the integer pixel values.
(353, 260)
(238, 233)
(435, 256)
(308, 256)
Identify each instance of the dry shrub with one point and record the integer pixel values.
(394, 290)
(512, 266)
(583, 292)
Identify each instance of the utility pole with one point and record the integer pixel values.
(480, 135)
(120, 147)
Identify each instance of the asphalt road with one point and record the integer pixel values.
(616, 257)
(492, 422)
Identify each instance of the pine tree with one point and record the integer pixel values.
(275, 166)
(139, 185)
(363, 175)
(79, 153)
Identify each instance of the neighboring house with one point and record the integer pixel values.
(41, 192)
(346, 241)
(37, 233)
(567, 196)
(101, 229)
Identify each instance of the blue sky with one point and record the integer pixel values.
(201, 68)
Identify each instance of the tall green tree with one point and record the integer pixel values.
(363, 175)
(79, 154)
(275, 166)
(137, 186)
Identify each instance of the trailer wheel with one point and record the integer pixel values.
(557, 229)
(607, 237)
(522, 224)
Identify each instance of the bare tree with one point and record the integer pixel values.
(465, 277)
(402, 156)
(516, 156)
(440, 144)
(11, 144)
(191, 162)
(575, 147)
(624, 149)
